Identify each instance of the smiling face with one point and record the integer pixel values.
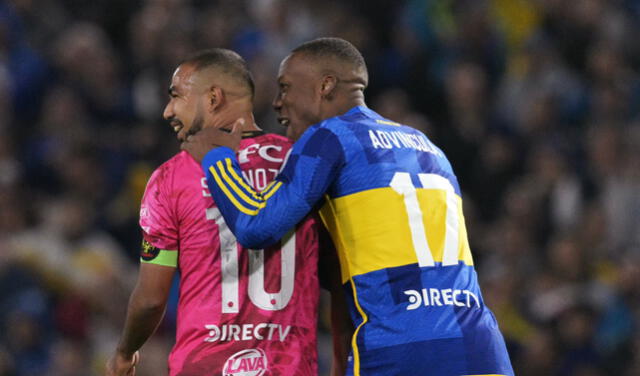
(185, 110)
(298, 99)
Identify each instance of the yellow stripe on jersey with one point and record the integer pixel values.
(268, 187)
(235, 187)
(354, 342)
(329, 219)
(387, 122)
(433, 206)
(465, 249)
(240, 180)
(371, 229)
(273, 191)
(229, 195)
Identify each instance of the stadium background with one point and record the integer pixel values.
(536, 103)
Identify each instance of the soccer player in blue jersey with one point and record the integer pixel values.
(393, 206)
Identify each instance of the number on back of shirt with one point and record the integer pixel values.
(256, 292)
(403, 185)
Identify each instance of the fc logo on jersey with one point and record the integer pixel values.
(249, 362)
(148, 252)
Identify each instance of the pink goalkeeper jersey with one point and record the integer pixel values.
(241, 312)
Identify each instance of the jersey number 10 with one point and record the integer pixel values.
(230, 275)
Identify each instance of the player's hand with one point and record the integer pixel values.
(199, 144)
(120, 365)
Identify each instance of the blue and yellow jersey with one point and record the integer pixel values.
(393, 206)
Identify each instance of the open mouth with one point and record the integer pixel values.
(283, 121)
(176, 125)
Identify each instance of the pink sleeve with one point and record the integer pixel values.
(157, 215)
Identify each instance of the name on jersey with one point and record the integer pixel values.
(258, 179)
(397, 139)
(441, 297)
(247, 332)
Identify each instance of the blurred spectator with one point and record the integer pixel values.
(23, 67)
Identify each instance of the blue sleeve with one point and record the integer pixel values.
(261, 219)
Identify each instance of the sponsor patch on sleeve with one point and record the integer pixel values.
(152, 255)
(149, 251)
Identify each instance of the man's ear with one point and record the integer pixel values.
(215, 98)
(329, 83)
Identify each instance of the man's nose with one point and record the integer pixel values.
(277, 103)
(168, 112)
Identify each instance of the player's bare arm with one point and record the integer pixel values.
(144, 313)
(119, 364)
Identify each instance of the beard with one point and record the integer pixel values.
(197, 124)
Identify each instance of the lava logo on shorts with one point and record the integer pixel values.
(249, 362)
(149, 252)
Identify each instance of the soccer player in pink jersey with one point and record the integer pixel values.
(241, 312)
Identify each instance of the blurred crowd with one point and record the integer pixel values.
(536, 103)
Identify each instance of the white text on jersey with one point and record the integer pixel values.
(247, 332)
(387, 140)
(441, 297)
(263, 152)
(259, 178)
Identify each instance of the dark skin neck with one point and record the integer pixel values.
(344, 102)
(344, 96)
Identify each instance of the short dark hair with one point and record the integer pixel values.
(227, 61)
(334, 48)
